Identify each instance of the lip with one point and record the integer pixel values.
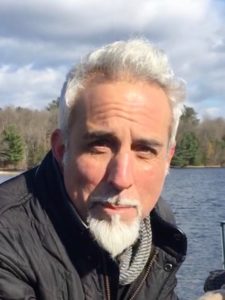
(116, 207)
(113, 209)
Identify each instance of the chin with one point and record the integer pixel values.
(114, 235)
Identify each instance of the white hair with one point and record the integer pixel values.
(213, 295)
(133, 59)
(114, 236)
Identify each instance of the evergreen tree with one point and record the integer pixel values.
(187, 151)
(53, 105)
(189, 116)
(14, 147)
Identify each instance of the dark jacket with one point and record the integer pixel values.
(46, 254)
(215, 280)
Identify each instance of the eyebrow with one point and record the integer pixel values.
(101, 134)
(149, 142)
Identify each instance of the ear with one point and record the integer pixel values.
(58, 146)
(171, 152)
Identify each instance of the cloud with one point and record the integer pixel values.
(27, 87)
(49, 34)
(211, 113)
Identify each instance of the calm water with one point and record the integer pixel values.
(5, 176)
(197, 197)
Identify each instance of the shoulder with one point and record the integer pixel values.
(166, 235)
(164, 210)
(14, 191)
(22, 220)
(15, 196)
(215, 280)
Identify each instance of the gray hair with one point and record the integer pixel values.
(135, 58)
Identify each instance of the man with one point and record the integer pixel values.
(214, 286)
(213, 295)
(88, 223)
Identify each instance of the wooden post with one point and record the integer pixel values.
(222, 224)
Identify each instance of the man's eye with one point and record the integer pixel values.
(145, 151)
(98, 147)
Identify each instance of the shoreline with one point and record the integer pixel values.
(198, 167)
(15, 172)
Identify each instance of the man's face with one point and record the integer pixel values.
(117, 154)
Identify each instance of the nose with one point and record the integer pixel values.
(120, 171)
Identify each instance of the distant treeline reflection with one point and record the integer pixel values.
(25, 136)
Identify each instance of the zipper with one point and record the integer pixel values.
(106, 280)
(106, 277)
(107, 287)
(154, 254)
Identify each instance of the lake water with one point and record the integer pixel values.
(197, 197)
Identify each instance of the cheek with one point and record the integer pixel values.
(151, 182)
(89, 171)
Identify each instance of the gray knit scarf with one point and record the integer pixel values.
(133, 260)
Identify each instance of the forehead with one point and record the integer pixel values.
(132, 105)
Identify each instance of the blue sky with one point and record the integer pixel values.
(41, 39)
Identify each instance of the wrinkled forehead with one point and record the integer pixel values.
(96, 100)
(96, 78)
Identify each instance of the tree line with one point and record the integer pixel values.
(199, 143)
(25, 135)
(25, 138)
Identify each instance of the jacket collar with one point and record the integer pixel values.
(168, 237)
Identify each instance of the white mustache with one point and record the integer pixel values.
(116, 201)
